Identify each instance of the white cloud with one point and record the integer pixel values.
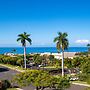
(82, 41)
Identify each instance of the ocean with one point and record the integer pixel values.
(19, 50)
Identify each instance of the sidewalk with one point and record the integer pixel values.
(86, 85)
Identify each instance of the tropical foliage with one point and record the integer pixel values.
(37, 59)
(17, 60)
(41, 80)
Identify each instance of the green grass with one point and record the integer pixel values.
(87, 89)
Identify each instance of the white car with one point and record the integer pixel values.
(74, 78)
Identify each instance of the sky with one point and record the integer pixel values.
(42, 19)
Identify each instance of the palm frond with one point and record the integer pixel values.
(65, 35)
(65, 44)
(23, 42)
(55, 39)
(22, 35)
(18, 39)
(29, 40)
(62, 41)
(60, 33)
(23, 38)
(58, 46)
(28, 35)
(25, 33)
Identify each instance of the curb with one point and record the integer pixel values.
(19, 89)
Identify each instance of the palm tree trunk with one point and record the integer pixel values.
(62, 63)
(43, 63)
(25, 57)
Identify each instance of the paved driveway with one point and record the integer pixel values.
(6, 73)
(77, 87)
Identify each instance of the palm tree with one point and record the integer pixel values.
(23, 38)
(61, 44)
(88, 46)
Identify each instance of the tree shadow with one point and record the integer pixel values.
(3, 69)
(58, 71)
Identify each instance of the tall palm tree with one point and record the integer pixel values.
(88, 46)
(61, 44)
(23, 38)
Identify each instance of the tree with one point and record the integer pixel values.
(86, 67)
(23, 38)
(61, 44)
(60, 83)
(41, 80)
(20, 62)
(51, 59)
(77, 61)
(68, 63)
(37, 59)
(38, 78)
(85, 70)
(88, 46)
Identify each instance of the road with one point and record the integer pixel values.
(8, 74)
(73, 87)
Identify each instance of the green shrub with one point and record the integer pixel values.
(88, 79)
(82, 77)
(18, 60)
(41, 79)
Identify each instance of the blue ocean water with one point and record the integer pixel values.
(19, 50)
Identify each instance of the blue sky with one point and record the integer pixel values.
(43, 19)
